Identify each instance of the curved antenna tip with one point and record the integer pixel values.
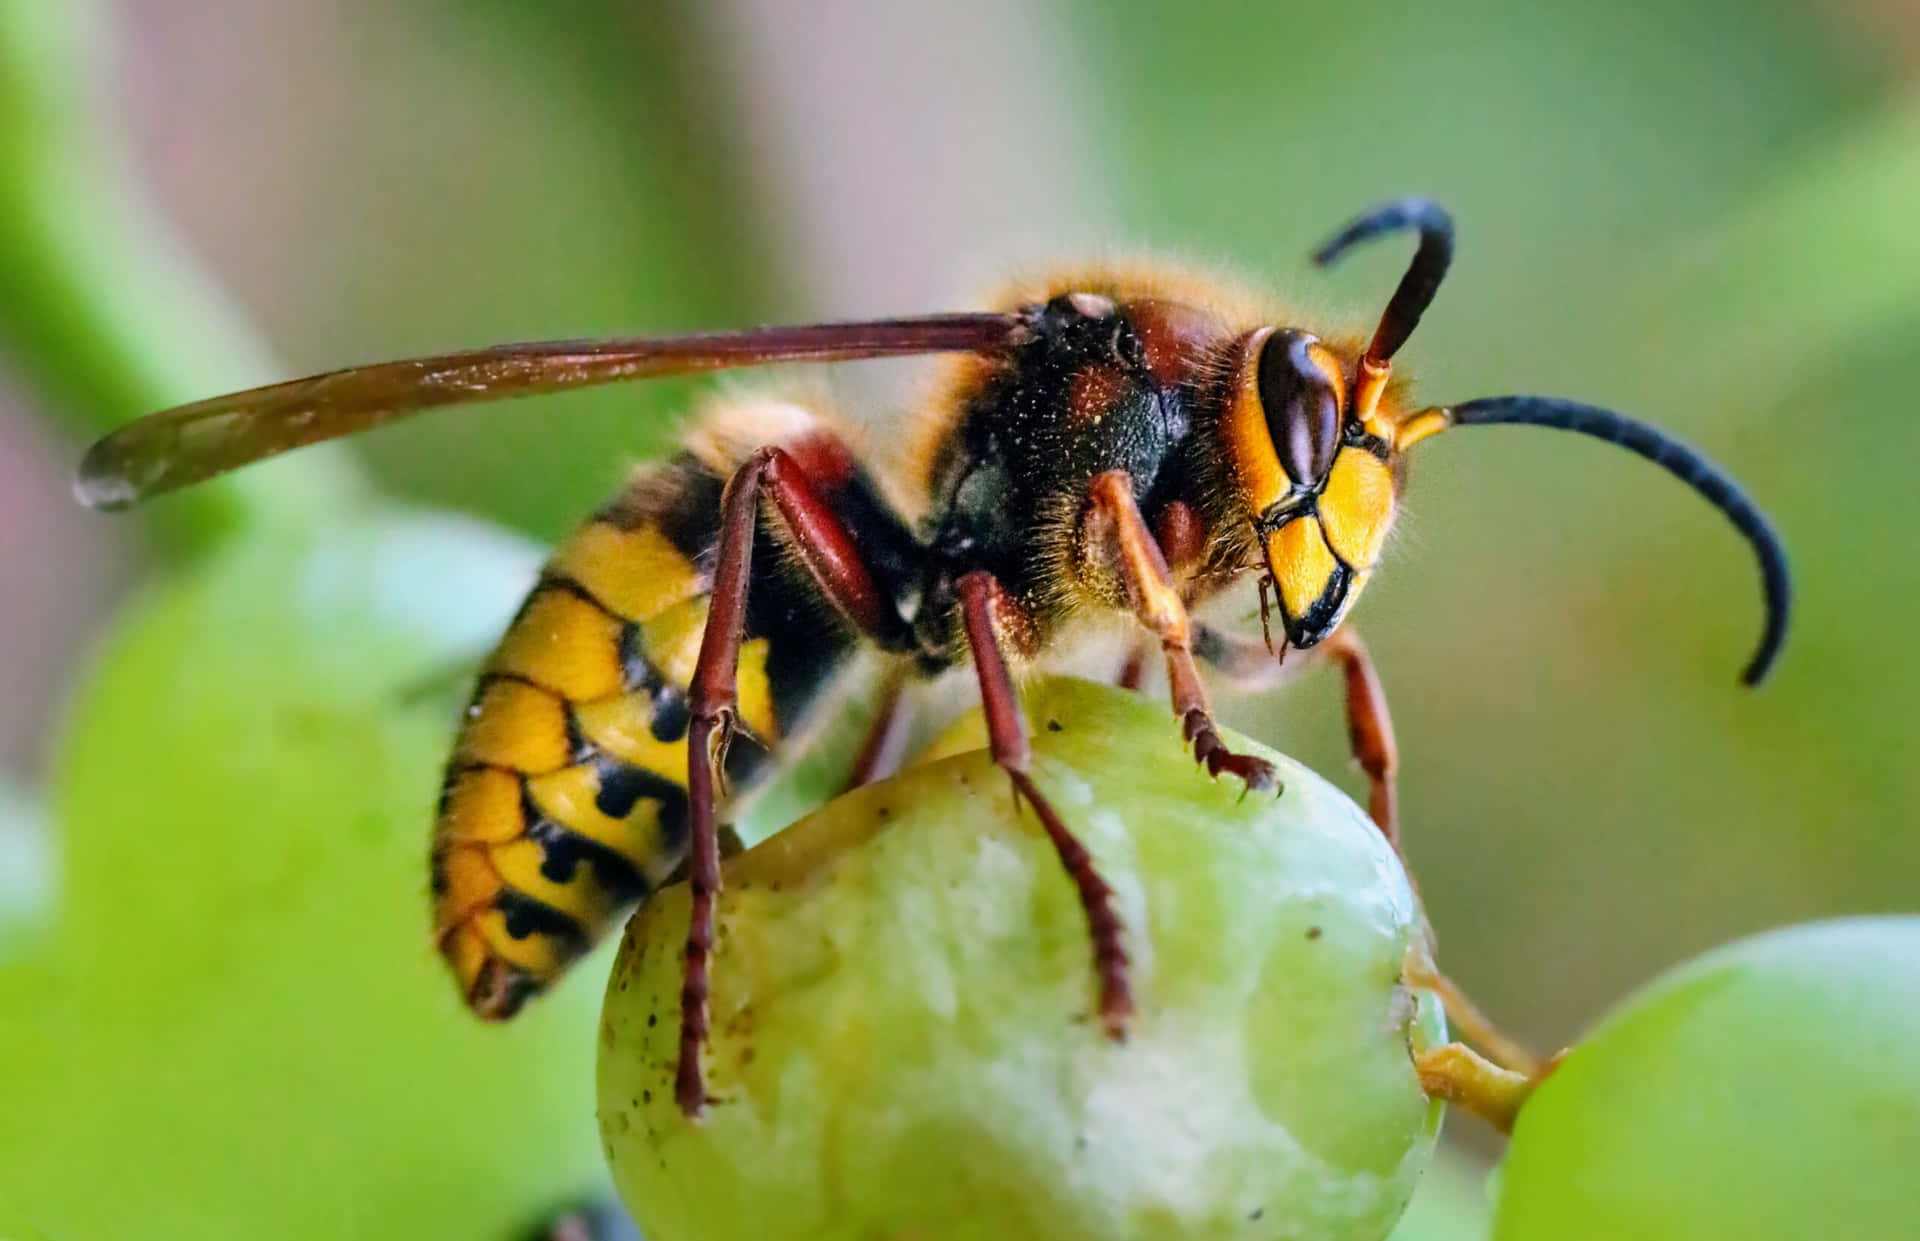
(1421, 214)
(1779, 597)
(1417, 287)
(1685, 464)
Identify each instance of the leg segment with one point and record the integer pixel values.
(986, 610)
(1247, 663)
(1116, 531)
(1369, 730)
(1183, 542)
(886, 740)
(825, 545)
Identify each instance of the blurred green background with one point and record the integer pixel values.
(1699, 212)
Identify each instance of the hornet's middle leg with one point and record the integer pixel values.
(988, 612)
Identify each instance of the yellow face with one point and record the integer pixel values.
(1315, 478)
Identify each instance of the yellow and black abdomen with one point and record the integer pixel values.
(565, 801)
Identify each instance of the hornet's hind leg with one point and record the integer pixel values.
(989, 613)
(821, 540)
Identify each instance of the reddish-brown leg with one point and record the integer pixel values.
(988, 613)
(1370, 733)
(1247, 663)
(1116, 531)
(886, 741)
(1369, 730)
(825, 545)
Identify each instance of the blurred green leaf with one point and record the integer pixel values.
(26, 869)
(241, 1025)
(1823, 256)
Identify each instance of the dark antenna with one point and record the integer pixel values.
(1679, 460)
(1429, 267)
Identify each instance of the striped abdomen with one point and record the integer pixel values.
(565, 801)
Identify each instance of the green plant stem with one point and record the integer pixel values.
(101, 309)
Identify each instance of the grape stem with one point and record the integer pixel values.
(1474, 1025)
(1461, 1076)
(1491, 1086)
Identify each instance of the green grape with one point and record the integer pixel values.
(904, 1044)
(237, 1025)
(1450, 1205)
(1768, 1091)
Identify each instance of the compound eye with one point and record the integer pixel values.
(1302, 405)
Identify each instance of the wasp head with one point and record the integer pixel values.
(1314, 460)
(1312, 468)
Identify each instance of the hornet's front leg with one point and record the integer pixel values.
(1248, 664)
(1116, 535)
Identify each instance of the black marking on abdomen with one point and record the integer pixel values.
(527, 917)
(691, 521)
(579, 749)
(808, 641)
(622, 785)
(563, 851)
(437, 860)
(636, 673)
(668, 714)
(446, 792)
